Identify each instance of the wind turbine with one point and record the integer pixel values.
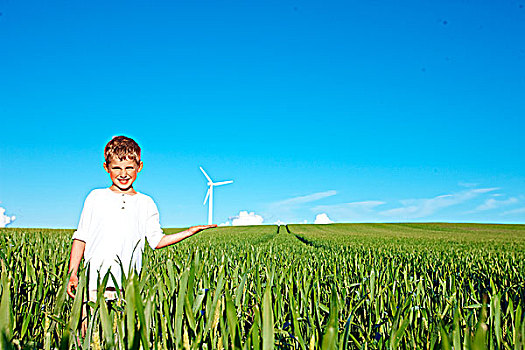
(209, 194)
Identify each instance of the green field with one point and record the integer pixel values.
(362, 286)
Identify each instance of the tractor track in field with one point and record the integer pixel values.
(302, 239)
(305, 241)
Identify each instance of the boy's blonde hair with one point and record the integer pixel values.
(122, 148)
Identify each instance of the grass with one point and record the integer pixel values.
(339, 286)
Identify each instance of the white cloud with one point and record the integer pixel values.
(514, 211)
(353, 205)
(492, 203)
(291, 209)
(304, 199)
(322, 219)
(418, 208)
(5, 219)
(350, 211)
(468, 184)
(244, 218)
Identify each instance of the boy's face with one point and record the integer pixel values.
(123, 173)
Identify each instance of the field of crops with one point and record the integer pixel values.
(341, 286)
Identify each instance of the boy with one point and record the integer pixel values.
(115, 222)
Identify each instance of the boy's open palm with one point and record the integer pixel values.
(168, 240)
(199, 228)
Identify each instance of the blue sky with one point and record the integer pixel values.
(366, 111)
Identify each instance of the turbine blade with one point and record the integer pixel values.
(205, 174)
(222, 183)
(207, 195)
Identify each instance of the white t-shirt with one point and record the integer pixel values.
(115, 226)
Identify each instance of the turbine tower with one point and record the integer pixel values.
(209, 194)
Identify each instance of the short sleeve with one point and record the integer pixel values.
(153, 230)
(82, 233)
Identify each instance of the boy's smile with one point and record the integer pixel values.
(123, 173)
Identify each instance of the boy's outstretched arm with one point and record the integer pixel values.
(177, 237)
(77, 251)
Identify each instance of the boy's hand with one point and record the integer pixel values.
(199, 228)
(168, 240)
(73, 283)
(77, 251)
